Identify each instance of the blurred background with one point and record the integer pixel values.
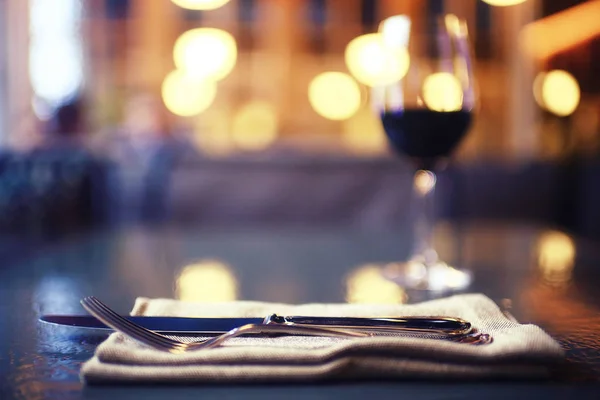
(101, 125)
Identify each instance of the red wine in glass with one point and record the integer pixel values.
(425, 116)
(425, 135)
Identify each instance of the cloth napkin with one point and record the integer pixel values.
(518, 351)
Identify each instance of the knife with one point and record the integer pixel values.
(165, 325)
(447, 326)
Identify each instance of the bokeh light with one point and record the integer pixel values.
(255, 126)
(374, 63)
(208, 53)
(424, 181)
(334, 95)
(453, 25)
(556, 257)
(185, 95)
(557, 91)
(362, 134)
(207, 281)
(504, 3)
(200, 4)
(442, 91)
(211, 133)
(366, 284)
(395, 31)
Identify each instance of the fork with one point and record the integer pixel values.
(160, 342)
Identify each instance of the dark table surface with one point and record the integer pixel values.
(548, 278)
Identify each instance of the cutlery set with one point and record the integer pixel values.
(154, 331)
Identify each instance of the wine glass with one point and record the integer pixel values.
(425, 114)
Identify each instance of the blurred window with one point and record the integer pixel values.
(483, 38)
(191, 15)
(247, 17)
(247, 11)
(369, 14)
(316, 14)
(435, 8)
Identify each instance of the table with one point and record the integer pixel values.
(301, 265)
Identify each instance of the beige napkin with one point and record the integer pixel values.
(519, 351)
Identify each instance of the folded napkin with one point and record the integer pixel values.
(518, 351)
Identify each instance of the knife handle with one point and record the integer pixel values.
(448, 326)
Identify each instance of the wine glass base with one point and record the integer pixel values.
(427, 280)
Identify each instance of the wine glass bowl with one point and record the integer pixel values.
(425, 115)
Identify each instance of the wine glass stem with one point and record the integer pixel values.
(424, 182)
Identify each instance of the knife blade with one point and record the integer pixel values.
(164, 325)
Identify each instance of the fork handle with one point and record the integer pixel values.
(448, 326)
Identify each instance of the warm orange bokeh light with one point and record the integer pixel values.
(556, 256)
(185, 95)
(200, 4)
(504, 3)
(372, 62)
(442, 91)
(207, 281)
(334, 95)
(255, 126)
(366, 284)
(557, 91)
(206, 53)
